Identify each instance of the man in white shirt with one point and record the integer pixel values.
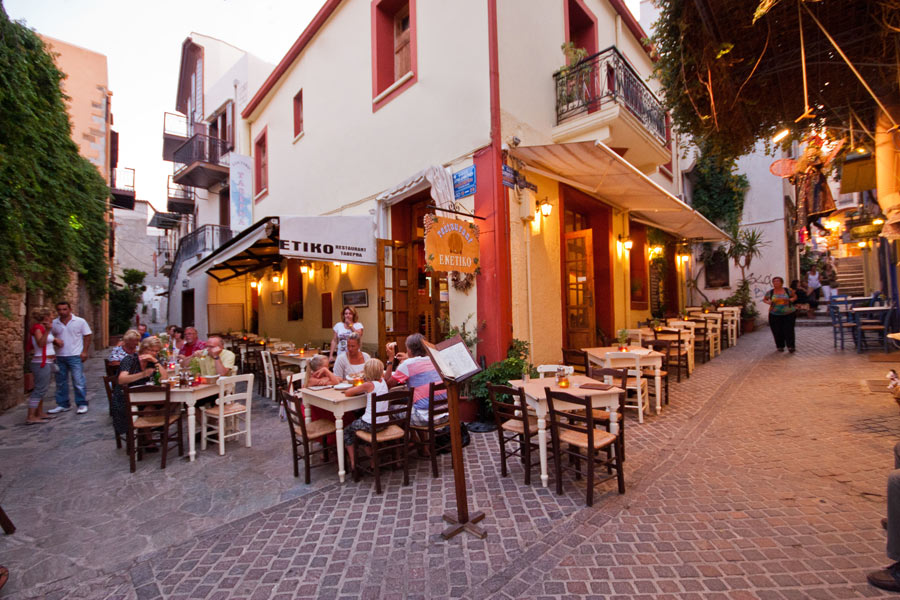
(72, 339)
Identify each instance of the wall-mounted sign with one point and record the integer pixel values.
(240, 185)
(341, 239)
(464, 182)
(865, 232)
(451, 245)
(512, 178)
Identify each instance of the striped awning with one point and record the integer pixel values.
(596, 169)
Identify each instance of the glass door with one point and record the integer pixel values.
(395, 293)
(578, 290)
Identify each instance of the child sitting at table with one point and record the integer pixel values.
(374, 384)
(317, 372)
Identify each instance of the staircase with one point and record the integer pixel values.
(851, 281)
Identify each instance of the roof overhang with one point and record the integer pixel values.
(596, 169)
(346, 239)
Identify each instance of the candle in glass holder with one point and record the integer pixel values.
(564, 382)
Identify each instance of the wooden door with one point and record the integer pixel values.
(396, 293)
(578, 290)
(187, 308)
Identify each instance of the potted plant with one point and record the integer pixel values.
(749, 312)
(468, 404)
(500, 373)
(622, 338)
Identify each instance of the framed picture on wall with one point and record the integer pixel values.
(355, 298)
(278, 297)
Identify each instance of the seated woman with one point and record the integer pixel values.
(803, 294)
(317, 372)
(373, 370)
(135, 370)
(353, 361)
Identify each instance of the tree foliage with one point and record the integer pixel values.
(718, 190)
(123, 301)
(52, 200)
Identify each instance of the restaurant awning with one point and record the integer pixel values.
(347, 239)
(598, 170)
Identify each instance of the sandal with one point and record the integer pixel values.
(886, 579)
(4, 576)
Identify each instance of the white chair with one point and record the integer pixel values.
(634, 335)
(542, 369)
(294, 383)
(231, 405)
(632, 362)
(269, 372)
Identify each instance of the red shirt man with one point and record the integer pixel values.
(192, 344)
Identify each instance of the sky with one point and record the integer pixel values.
(142, 42)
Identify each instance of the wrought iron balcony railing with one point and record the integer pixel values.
(202, 240)
(202, 148)
(607, 77)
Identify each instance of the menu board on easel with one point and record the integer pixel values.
(452, 359)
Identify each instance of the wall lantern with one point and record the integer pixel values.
(626, 242)
(253, 283)
(861, 244)
(655, 251)
(877, 221)
(276, 273)
(304, 268)
(344, 267)
(546, 208)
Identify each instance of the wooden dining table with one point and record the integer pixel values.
(536, 398)
(335, 402)
(649, 358)
(189, 396)
(296, 357)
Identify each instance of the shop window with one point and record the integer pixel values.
(294, 291)
(298, 113)
(261, 164)
(393, 43)
(716, 270)
(575, 221)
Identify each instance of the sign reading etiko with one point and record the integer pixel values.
(341, 239)
(451, 245)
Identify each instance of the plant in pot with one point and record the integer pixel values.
(514, 366)
(622, 339)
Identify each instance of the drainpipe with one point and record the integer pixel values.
(525, 228)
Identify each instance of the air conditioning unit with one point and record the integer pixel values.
(527, 204)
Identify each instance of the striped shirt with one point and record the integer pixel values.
(417, 372)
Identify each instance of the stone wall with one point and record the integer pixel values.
(12, 359)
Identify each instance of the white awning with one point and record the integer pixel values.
(438, 178)
(340, 239)
(596, 169)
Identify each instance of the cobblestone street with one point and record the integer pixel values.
(763, 478)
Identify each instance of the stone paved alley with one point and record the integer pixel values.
(764, 478)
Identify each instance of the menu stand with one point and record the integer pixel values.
(453, 362)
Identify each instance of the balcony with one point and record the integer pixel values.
(202, 161)
(121, 185)
(175, 128)
(164, 220)
(181, 199)
(165, 256)
(603, 98)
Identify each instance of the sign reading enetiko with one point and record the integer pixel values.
(451, 245)
(340, 239)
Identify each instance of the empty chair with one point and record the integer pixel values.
(618, 378)
(634, 335)
(304, 435)
(632, 362)
(515, 426)
(268, 371)
(678, 352)
(109, 385)
(578, 359)
(664, 347)
(575, 435)
(840, 327)
(389, 439)
(868, 329)
(232, 405)
(152, 416)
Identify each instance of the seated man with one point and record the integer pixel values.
(218, 360)
(416, 371)
(192, 343)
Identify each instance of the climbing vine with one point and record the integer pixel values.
(52, 200)
(718, 189)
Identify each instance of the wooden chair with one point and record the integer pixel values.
(425, 436)
(253, 365)
(677, 352)
(870, 327)
(575, 434)
(632, 362)
(702, 339)
(112, 367)
(664, 347)
(618, 378)
(151, 422)
(109, 384)
(268, 370)
(231, 404)
(514, 425)
(280, 372)
(551, 369)
(577, 359)
(391, 435)
(303, 435)
(839, 326)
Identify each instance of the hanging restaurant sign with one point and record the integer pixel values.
(451, 245)
(865, 232)
(341, 239)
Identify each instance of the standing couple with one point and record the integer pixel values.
(64, 342)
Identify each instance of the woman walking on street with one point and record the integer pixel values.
(41, 344)
(781, 314)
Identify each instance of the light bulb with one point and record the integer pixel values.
(344, 267)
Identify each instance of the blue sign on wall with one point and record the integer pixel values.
(509, 176)
(464, 182)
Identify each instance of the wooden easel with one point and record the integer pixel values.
(454, 371)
